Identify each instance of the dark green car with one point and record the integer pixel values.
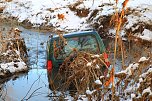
(59, 47)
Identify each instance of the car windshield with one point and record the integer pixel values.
(81, 43)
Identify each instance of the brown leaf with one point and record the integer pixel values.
(61, 16)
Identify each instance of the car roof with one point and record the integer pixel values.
(79, 33)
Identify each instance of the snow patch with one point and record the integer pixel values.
(144, 74)
(132, 96)
(97, 66)
(98, 82)
(147, 35)
(97, 56)
(135, 66)
(140, 79)
(69, 98)
(101, 77)
(147, 90)
(89, 92)
(142, 59)
(13, 67)
(128, 70)
(89, 63)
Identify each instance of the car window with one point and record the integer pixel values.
(82, 43)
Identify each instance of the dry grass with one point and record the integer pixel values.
(139, 76)
(80, 69)
(10, 42)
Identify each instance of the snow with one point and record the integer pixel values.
(89, 63)
(129, 89)
(149, 70)
(97, 67)
(97, 56)
(101, 77)
(40, 12)
(37, 12)
(147, 35)
(98, 82)
(135, 3)
(138, 85)
(128, 70)
(140, 79)
(139, 16)
(144, 74)
(69, 98)
(83, 98)
(147, 90)
(142, 59)
(11, 60)
(17, 52)
(21, 66)
(135, 85)
(133, 95)
(134, 66)
(89, 92)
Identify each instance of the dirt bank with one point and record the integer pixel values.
(13, 53)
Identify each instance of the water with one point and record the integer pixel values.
(36, 45)
(17, 88)
(20, 87)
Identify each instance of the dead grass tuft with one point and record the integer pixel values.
(10, 43)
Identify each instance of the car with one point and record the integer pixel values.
(60, 46)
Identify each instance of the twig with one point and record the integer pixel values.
(33, 93)
(31, 87)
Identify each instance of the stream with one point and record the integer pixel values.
(34, 86)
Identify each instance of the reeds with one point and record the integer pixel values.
(118, 24)
(81, 70)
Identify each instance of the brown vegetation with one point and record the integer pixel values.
(8, 0)
(1, 9)
(9, 43)
(81, 12)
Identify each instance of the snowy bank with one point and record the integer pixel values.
(10, 68)
(13, 55)
(137, 80)
(69, 15)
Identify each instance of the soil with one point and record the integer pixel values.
(27, 25)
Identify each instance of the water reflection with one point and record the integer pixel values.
(36, 45)
(32, 85)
